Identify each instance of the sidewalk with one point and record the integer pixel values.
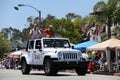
(107, 73)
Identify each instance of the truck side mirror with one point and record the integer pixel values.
(72, 47)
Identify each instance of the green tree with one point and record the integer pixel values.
(16, 34)
(67, 28)
(11, 33)
(108, 12)
(4, 43)
(48, 20)
(115, 15)
(71, 16)
(116, 32)
(30, 20)
(6, 32)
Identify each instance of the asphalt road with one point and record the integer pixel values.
(39, 75)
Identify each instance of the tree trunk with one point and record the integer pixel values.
(109, 24)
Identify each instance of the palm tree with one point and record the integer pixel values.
(108, 9)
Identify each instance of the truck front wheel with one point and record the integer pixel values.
(49, 68)
(24, 67)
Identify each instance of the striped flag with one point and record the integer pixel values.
(84, 28)
(95, 30)
(103, 30)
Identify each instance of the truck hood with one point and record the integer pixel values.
(55, 50)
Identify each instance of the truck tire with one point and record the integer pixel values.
(49, 68)
(81, 71)
(24, 67)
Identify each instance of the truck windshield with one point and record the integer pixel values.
(56, 43)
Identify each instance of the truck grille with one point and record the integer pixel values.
(69, 56)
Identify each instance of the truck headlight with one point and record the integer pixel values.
(79, 54)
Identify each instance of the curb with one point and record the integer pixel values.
(117, 74)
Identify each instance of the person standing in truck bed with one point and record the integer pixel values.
(35, 32)
(49, 32)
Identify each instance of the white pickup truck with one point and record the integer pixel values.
(52, 55)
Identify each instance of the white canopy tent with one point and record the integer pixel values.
(16, 53)
(118, 54)
(111, 44)
(106, 46)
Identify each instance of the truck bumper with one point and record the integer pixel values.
(70, 64)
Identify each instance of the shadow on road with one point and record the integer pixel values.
(55, 76)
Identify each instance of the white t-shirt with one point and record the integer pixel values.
(35, 33)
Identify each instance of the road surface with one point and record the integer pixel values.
(39, 75)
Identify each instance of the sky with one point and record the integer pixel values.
(9, 17)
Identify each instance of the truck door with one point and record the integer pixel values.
(30, 48)
(37, 53)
